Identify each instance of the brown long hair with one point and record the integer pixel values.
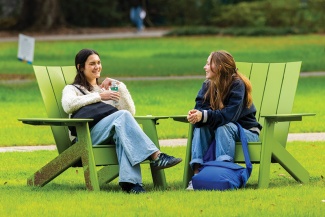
(226, 72)
(80, 61)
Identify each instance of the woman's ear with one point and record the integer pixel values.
(78, 67)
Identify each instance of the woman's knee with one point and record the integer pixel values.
(226, 130)
(124, 113)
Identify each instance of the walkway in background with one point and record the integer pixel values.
(94, 36)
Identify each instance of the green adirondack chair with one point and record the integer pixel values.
(99, 163)
(274, 88)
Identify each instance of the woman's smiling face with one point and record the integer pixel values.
(209, 69)
(93, 68)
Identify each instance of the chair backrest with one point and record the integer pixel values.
(274, 88)
(51, 81)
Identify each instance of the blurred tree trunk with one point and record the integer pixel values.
(40, 15)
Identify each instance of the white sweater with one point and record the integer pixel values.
(73, 99)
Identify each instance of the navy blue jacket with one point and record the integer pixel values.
(235, 109)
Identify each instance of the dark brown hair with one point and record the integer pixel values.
(80, 61)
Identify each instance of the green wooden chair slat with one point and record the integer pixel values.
(272, 90)
(286, 99)
(58, 83)
(69, 73)
(51, 81)
(258, 78)
(274, 87)
(47, 93)
(245, 68)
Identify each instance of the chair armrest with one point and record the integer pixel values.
(286, 117)
(274, 117)
(180, 118)
(150, 117)
(75, 121)
(54, 121)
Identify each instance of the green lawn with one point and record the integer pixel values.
(169, 56)
(67, 196)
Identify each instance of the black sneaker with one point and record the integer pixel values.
(137, 189)
(164, 161)
(131, 188)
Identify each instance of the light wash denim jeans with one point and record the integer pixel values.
(132, 145)
(135, 17)
(226, 137)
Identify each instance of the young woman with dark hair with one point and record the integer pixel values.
(132, 145)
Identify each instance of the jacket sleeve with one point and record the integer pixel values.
(73, 99)
(201, 103)
(234, 105)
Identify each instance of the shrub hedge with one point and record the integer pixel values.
(261, 16)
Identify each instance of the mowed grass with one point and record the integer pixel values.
(170, 55)
(164, 97)
(66, 195)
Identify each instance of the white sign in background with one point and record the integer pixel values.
(26, 46)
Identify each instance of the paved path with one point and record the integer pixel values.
(171, 142)
(94, 36)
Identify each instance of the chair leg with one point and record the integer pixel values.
(90, 173)
(55, 167)
(87, 157)
(290, 164)
(266, 154)
(188, 172)
(108, 174)
(158, 176)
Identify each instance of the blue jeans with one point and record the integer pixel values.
(135, 17)
(226, 137)
(132, 145)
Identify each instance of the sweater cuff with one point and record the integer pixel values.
(204, 116)
(98, 98)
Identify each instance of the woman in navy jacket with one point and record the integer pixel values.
(225, 98)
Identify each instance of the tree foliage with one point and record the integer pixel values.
(45, 15)
(40, 15)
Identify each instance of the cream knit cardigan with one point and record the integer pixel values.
(73, 99)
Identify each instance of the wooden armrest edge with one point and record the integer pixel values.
(286, 117)
(54, 121)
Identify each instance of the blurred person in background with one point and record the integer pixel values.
(137, 14)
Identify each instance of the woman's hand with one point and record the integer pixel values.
(107, 83)
(194, 116)
(108, 94)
